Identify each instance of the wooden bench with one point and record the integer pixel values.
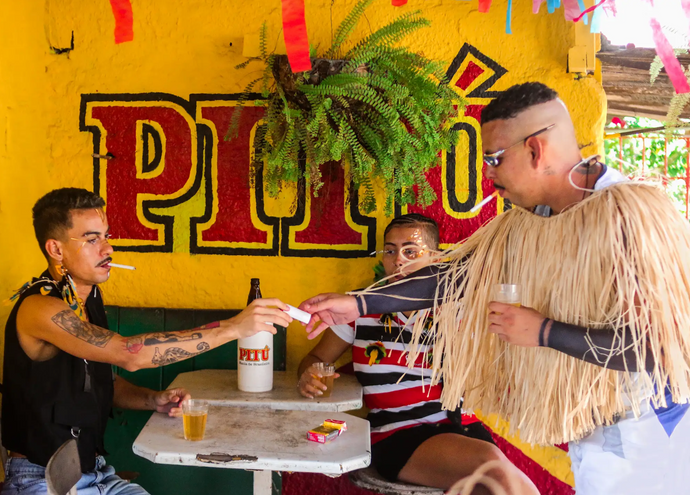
(124, 426)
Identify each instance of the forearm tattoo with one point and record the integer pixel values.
(136, 343)
(175, 354)
(82, 330)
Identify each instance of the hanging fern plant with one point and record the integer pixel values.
(380, 109)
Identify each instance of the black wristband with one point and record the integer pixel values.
(542, 329)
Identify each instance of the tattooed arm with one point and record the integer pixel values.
(47, 324)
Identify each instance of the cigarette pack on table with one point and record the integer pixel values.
(337, 424)
(322, 434)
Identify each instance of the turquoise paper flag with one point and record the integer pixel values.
(509, 15)
(553, 5)
(596, 22)
(582, 9)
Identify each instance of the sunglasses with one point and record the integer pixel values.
(492, 159)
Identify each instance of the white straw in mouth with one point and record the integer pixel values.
(486, 200)
(126, 267)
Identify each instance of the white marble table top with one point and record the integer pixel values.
(219, 387)
(257, 439)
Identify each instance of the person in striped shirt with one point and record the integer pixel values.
(413, 439)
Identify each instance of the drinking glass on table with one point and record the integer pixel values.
(507, 294)
(325, 373)
(194, 414)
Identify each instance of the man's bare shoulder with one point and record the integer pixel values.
(42, 304)
(36, 313)
(34, 318)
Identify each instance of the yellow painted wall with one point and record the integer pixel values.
(184, 47)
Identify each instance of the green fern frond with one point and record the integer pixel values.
(385, 116)
(246, 63)
(263, 41)
(347, 26)
(657, 64)
(266, 76)
(675, 108)
(391, 33)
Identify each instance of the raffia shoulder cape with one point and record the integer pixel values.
(619, 258)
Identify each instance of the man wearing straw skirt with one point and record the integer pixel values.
(598, 354)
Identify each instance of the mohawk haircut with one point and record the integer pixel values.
(516, 99)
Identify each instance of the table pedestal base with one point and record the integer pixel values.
(263, 482)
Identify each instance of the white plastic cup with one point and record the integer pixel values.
(508, 294)
(255, 363)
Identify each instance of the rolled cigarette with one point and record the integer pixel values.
(126, 267)
(298, 314)
(484, 201)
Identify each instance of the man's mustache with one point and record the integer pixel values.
(105, 261)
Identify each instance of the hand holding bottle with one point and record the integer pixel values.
(259, 316)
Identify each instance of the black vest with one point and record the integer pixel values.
(46, 402)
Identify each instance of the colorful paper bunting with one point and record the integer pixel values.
(572, 9)
(594, 8)
(124, 19)
(596, 21)
(610, 6)
(295, 35)
(668, 57)
(484, 5)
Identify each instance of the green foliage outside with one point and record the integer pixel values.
(654, 153)
(382, 110)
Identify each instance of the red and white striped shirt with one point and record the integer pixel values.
(398, 397)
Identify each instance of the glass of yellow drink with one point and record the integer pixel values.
(325, 373)
(507, 294)
(194, 414)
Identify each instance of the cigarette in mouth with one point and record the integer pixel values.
(486, 200)
(126, 267)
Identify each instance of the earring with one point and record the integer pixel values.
(61, 270)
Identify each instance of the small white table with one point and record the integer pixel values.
(219, 387)
(260, 439)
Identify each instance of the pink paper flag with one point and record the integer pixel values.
(610, 7)
(536, 5)
(484, 5)
(671, 64)
(572, 9)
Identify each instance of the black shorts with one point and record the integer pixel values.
(391, 454)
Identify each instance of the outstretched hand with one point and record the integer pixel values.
(259, 316)
(329, 309)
